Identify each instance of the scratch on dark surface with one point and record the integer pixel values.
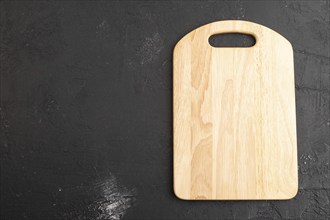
(276, 210)
(105, 199)
(114, 200)
(268, 211)
(311, 54)
(150, 48)
(318, 206)
(241, 10)
(104, 29)
(312, 89)
(150, 55)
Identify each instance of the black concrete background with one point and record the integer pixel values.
(86, 98)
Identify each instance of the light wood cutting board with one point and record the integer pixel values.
(234, 116)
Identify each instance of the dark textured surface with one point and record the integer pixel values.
(86, 99)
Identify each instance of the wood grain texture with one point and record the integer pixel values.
(234, 116)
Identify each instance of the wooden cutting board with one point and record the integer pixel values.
(234, 116)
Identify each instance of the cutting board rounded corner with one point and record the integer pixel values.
(293, 195)
(293, 192)
(178, 194)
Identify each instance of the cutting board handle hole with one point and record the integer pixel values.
(232, 40)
